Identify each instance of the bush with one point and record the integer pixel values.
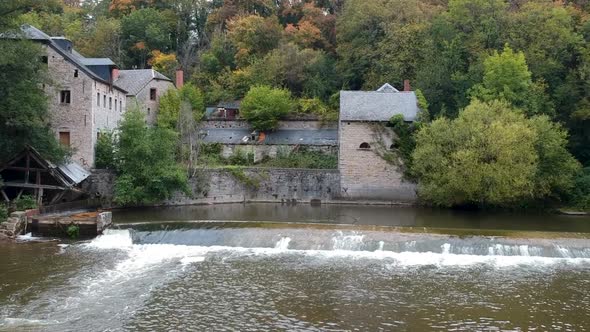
(25, 202)
(302, 159)
(148, 171)
(263, 106)
(580, 194)
(492, 155)
(73, 231)
(241, 158)
(105, 154)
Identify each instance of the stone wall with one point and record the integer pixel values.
(145, 104)
(364, 174)
(100, 184)
(221, 186)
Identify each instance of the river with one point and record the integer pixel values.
(266, 267)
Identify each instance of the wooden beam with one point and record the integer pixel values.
(16, 168)
(28, 167)
(20, 192)
(4, 195)
(32, 186)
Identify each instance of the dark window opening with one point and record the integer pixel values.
(65, 97)
(45, 59)
(115, 104)
(152, 94)
(98, 99)
(120, 106)
(76, 73)
(149, 111)
(110, 103)
(104, 101)
(364, 145)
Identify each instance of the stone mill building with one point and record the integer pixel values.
(364, 174)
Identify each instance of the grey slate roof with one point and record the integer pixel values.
(377, 105)
(30, 32)
(74, 172)
(279, 137)
(135, 80)
(96, 61)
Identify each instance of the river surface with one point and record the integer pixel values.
(264, 267)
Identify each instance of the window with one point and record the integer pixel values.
(120, 106)
(110, 103)
(65, 97)
(115, 104)
(64, 138)
(75, 72)
(104, 101)
(44, 59)
(152, 94)
(98, 99)
(149, 111)
(364, 145)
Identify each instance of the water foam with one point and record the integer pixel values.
(141, 256)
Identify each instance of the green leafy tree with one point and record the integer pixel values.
(491, 155)
(147, 168)
(263, 106)
(105, 151)
(171, 103)
(24, 116)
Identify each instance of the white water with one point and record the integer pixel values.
(140, 256)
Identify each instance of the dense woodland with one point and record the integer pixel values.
(531, 57)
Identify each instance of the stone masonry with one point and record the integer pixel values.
(364, 174)
(87, 113)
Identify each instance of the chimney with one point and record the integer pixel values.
(407, 87)
(114, 74)
(179, 78)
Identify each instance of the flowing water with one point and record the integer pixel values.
(196, 270)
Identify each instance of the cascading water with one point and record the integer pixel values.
(232, 276)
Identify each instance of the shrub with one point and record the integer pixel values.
(73, 231)
(105, 154)
(492, 155)
(25, 202)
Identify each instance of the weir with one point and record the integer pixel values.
(301, 239)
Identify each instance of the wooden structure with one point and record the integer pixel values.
(28, 173)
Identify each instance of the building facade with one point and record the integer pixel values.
(83, 101)
(364, 174)
(144, 88)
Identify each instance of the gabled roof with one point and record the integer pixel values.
(32, 33)
(135, 80)
(378, 105)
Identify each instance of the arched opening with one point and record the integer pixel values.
(364, 145)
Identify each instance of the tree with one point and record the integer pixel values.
(105, 151)
(491, 155)
(263, 106)
(147, 168)
(145, 30)
(171, 103)
(507, 76)
(253, 36)
(24, 116)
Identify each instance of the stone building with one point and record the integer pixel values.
(364, 174)
(83, 101)
(144, 89)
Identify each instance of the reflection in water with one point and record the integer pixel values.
(360, 215)
(206, 276)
